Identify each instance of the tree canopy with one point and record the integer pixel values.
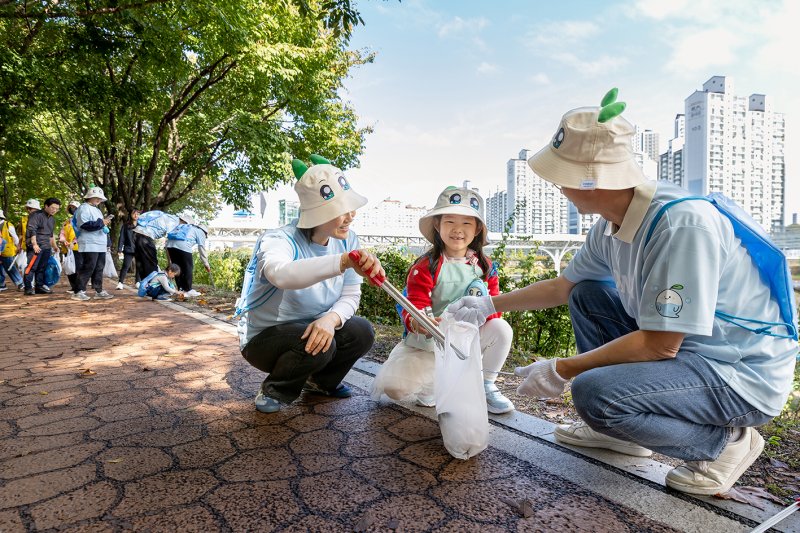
(167, 104)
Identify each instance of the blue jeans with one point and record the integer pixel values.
(677, 407)
(38, 268)
(7, 266)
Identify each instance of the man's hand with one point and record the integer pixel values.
(36, 248)
(320, 333)
(418, 328)
(541, 380)
(472, 309)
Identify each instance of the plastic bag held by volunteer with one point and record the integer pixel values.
(458, 385)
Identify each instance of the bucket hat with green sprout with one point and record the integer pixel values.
(591, 150)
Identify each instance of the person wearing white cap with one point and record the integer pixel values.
(68, 243)
(31, 206)
(9, 242)
(39, 246)
(301, 291)
(454, 266)
(92, 230)
(655, 295)
(180, 242)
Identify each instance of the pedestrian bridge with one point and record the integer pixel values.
(556, 246)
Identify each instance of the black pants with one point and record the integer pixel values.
(146, 255)
(39, 265)
(280, 351)
(92, 265)
(73, 278)
(185, 260)
(127, 259)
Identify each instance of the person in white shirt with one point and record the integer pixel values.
(658, 297)
(301, 292)
(92, 230)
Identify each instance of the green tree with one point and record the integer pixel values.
(169, 104)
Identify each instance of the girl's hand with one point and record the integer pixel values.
(320, 333)
(419, 328)
(368, 264)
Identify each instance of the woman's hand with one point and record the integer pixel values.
(368, 264)
(320, 333)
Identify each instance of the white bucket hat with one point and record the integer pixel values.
(33, 203)
(591, 150)
(74, 203)
(2, 215)
(454, 201)
(95, 192)
(188, 218)
(324, 192)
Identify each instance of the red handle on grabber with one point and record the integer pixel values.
(378, 279)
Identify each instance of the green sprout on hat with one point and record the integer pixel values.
(609, 107)
(299, 168)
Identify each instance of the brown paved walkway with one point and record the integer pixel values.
(125, 415)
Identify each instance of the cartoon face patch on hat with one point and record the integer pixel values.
(324, 192)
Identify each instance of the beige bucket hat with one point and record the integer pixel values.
(591, 150)
(453, 201)
(188, 218)
(95, 192)
(33, 203)
(324, 192)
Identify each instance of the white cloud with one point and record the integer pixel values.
(698, 51)
(486, 68)
(557, 35)
(539, 78)
(601, 65)
(458, 25)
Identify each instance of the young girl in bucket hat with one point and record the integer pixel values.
(301, 291)
(455, 266)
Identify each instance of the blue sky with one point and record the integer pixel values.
(459, 87)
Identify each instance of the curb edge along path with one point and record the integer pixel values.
(637, 483)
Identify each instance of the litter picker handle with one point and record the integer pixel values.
(30, 265)
(377, 279)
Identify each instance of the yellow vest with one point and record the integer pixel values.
(69, 235)
(11, 249)
(24, 225)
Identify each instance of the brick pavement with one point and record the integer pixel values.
(128, 416)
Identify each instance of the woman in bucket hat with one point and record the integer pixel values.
(92, 230)
(454, 266)
(652, 294)
(301, 291)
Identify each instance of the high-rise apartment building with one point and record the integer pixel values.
(646, 142)
(735, 145)
(670, 165)
(497, 211)
(538, 206)
(288, 210)
(390, 218)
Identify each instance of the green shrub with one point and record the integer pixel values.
(376, 305)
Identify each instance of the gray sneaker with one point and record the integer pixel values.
(103, 295)
(265, 404)
(80, 296)
(496, 403)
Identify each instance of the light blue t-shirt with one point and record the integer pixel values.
(90, 241)
(277, 306)
(192, 236)
(692, 266)
(156, 224)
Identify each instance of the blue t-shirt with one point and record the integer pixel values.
(192, 236)
(90, 241)
(693, 266)
(277, 306)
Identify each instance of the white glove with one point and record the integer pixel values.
(541, 380)
(472, 309)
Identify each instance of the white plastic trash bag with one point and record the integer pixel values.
(21, 262)
(109, 270)
(68, 265)
(458, 385)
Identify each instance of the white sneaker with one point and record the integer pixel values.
(103, 295)
(718, 476)
(137, 284)
(579, 434)
(192, 293)
(80, 296)
(120, 286)
(496, 403)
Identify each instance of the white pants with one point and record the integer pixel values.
(407, 375)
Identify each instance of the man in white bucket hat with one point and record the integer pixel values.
(301, 291)
(91, 228)
(653, 295)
